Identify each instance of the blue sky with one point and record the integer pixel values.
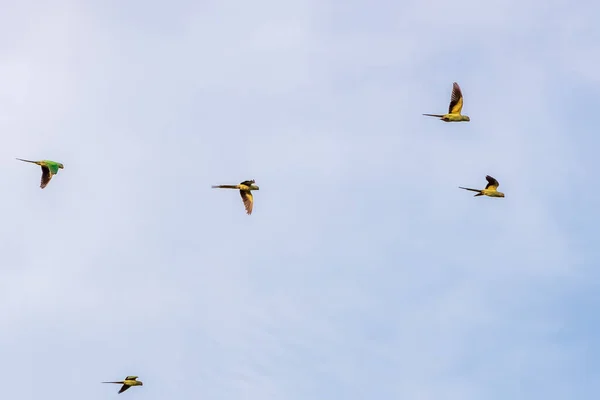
(364, 272)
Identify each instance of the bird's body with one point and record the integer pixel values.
(128, 382)
(245, 189)
(490, 189)
(450, 117)
(456, 104)
(49, 169)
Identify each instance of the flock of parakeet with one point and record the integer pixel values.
(50, 168)
(453, 115)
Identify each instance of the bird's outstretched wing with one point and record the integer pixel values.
(131, 378)
(248, 183)
(248, 200)
(492, 183)
(46, 176)
(124, 388)
(456, 100)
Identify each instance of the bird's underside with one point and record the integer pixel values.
(245, 189)
(127, 383)
(490, 189)
(455, 107)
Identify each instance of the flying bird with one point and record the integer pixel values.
(456, 104)
(490, 188)
(128, 382)
(245, 188)
(49, 169)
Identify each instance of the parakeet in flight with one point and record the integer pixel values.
(49, 169)
(456, 104)
(128, 382)
(490, 188)
(245, 191)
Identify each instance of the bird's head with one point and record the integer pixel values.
(60, 166)
(254, 187)
(501, 194)
(141, 383)
(467, 118)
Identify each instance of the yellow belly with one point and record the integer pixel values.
(491, 193)
(454, 118)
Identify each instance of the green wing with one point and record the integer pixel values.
(52, 165)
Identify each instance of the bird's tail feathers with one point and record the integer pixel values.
(472, 190)
(120, 382)
(435, 115)
(225, 186)
(33, 162)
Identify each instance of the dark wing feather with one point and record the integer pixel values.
(124, 388)
(491, 182)
(248, 200)
(46, 176)
(455, 98)
(247, 183)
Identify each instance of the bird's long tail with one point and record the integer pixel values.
(33, 162)
(472, 190)
(435, 115)
(120, 382)
(225, 186)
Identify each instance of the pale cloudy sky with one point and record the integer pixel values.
(364, 272)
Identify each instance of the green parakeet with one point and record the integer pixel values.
(49, 169)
